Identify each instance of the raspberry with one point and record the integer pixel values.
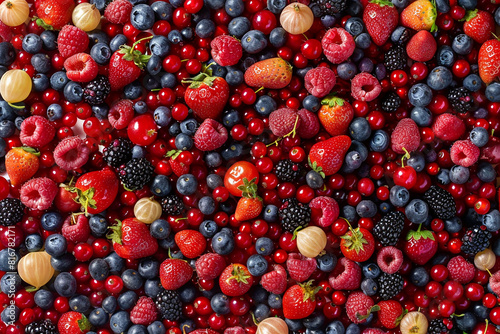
(283, 121)
(358, 304)
(319, 81)
(71, 153)
(275, 281)
(226, 50)
(324, 211)
(373, 331)
(309, 124)
(81, 67)
(210, 135)
(39, 193)
(210, 266)
(36, 131)
(121, 113)
(365, 87)
(448, 127)
(495, 283)
(72, 40)
(5, 33)
(405, 136)
(390, 259)
(460, 270)
(338, 45)
(144, 311)
(464, 153)
(300, 267)
(118, 11)
(346, 275)
(234, 330)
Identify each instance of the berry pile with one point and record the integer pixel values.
(249, 166)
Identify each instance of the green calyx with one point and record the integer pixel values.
(173, 154)
(249, 188)
(433, 16)
(85, 198)
(382, 3)
(41, 23)
(333, 101)
(136, 56)
(29, 150)
(239, 275)
(469, 15)
(314, 166)
(374, 308)
(355, 241)
(204, 77)
(309, 290)
(116, 233)
(84, 324)
(418, 234)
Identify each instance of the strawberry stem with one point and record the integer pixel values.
(239, 275)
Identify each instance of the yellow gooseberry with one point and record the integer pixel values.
(147, 210)
(14, 12)
(86, 16)
(15, 86)
(296, 18)
(35, 269)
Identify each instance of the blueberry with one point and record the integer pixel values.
(419, 276)
(109, 304)
(41, 62)
(357, 55)
(49, 40)
(232, 151)
(335, 327)
(492, 92)
(10, 283)
(468, 4)
(270, 214)
(371, 270)
(220, 303)
(153, 66)
(459, 174)
(7, 112)
(234, 77)
(79, 303)
(205, 28)
(187, 33)
(7, 128)
(265, 105)
(115, 262)
(486, 172)
(213, 159)
(40, 82)
(278, 37)
(217, 70)
(54, 112)
(492, 220)
(261, 312)
(117, 41)
(369, 286)
(33, 242)
(44, 298)
(133, 90)
(347, 70)
(327, 262)
(445, 56)
(132, 280)
(274, 301)
(443, 176)
(189, 126)
(497, 16)
(294, 324)
(443, 6)
(349, 213)
(55, 245)
(366, 208)
(161, 186)
(363, 41)
(177, 3)
(98, 225)
(152, 287)
(65, 284)
(99, 269)
(417, 211)
(183, 142)
(214, 181)
(352, 161)
(73, 92)
(157, 327)
(223, 243)
(264, 246)
(481, 311)
(10, 314)
(421, 116)
(311, 103)
(150, 82)
(462, 44)
(58, 80)
(366, 65)
(420, 95)
(472, 82)
(359, 129)
(253, 41)
(7, 54)
(208, 228)
(379, 141)
(97, 36)
(163, 10)
(257, 265)
(98, 317)
(453, 225)
(329, 21)
(142, 17)
(174, 36)
(314, 180)
(120, 322)
(187, 184)
(234, 8)
(354, 26)
(32, 43)
(168, 242)
(239, 26)
(140, 107)
(162, 116)
(127, 300)
(400, 4)
(417, 161)
(467, 322)
(63, 263)
(207, 205)
(148, 268)
(439, 78)
(168, 80)
(137, 329)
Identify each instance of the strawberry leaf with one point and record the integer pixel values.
(116, 233)
(469, 15)
(173, 154)
(84, 324)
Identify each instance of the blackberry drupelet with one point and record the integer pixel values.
(390, 285)
(441, 202)
(118, 153)
(294, 214)
(41, 327)
(169, 305)
(136, 173)
(395, 58)
(172, 205)
(97, 90)
(389, 228)
(475, 240)
(288, 171)
(11, 211)
(461, 100)
(437, 326)
(330, 7)
(404, 37)
(391, 102)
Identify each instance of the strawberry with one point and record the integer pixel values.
(65, 199)
(132, 240)
(96, 190)
(327, 156)
(235, 280)
(479, 25)
(210, 266)
(272, 73)
(206, 95)
(299, 300)
(73, 323)
(489, 61)
(420, 15)
(72, 40)
(300, 267)
(81, 67)
(76, 228)
(359, 306)
(250, 205)
(126, 65)
(54, 14)
(357, 244)
(191, 243)
(405, 137)
(420, 246)
(422, 46)
(390, 313)
(275, 281)
(21, 164)
(178, 167)
(380, 18)
(210, 135)
(174, 273)
(144, 311)
(335, 115)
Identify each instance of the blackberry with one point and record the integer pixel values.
(437, 326)
(395, 58)
(391, 102)
(118, 153)
(441, 202)
(294, 214)
(41, 327)
(390, 285)
(136, 173)
(172, 205)
(97, 90)
(287, 171)
(169, 305)
(330, 7)
(404, 36)
(461, 100)
(11, 211)
(389, 228)
(475, 240)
